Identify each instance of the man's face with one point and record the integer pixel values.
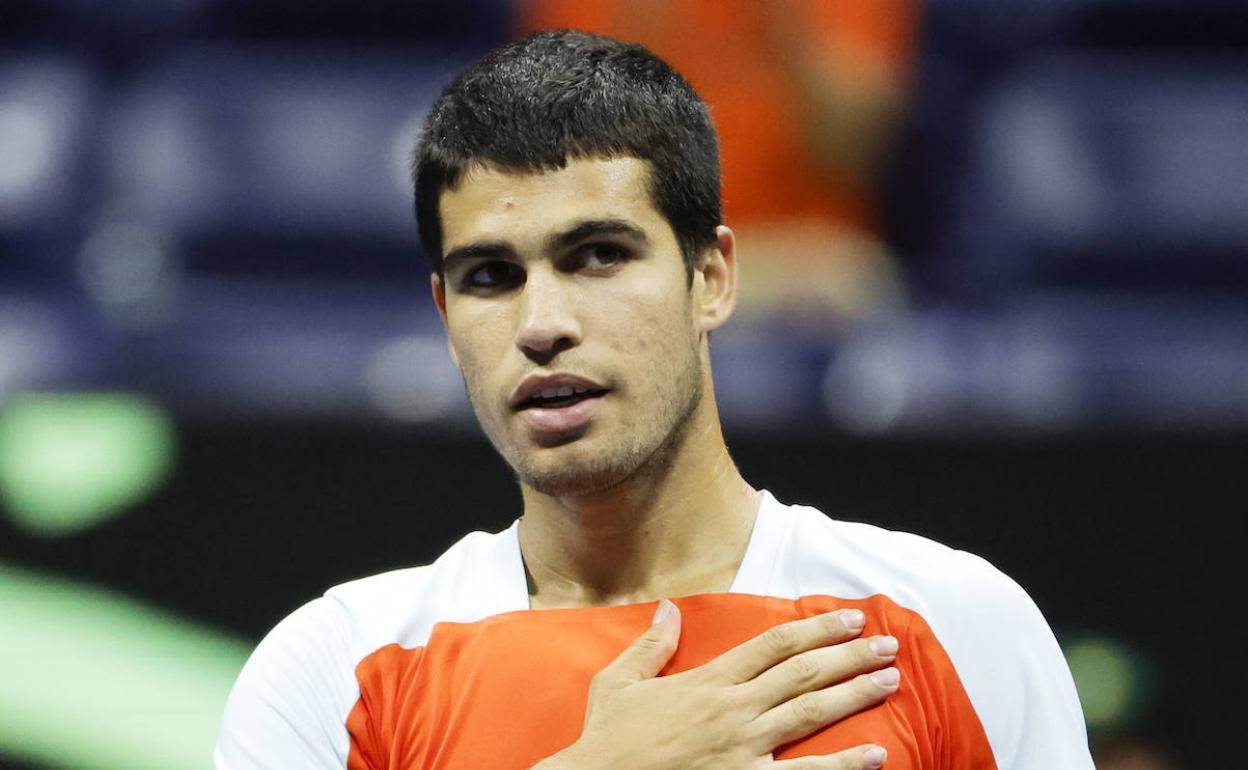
(568, 308)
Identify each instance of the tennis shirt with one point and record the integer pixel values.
(445, 666)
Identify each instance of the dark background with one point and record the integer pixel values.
(1137, 537)
(203, 206)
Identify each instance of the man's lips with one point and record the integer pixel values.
(561, 419)
(557, 403)
(553, 392)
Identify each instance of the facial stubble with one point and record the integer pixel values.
(642, 445)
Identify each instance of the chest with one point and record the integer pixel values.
(508, 693)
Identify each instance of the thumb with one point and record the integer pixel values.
(650, 652)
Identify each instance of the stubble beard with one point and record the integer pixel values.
(649, 452)
(646, 449)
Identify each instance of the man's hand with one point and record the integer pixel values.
(735, 710)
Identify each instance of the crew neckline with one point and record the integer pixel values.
(755, 574)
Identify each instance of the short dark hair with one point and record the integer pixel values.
(535, 103)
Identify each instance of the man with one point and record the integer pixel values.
(568, 192)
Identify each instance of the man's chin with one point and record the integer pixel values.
(571, 479)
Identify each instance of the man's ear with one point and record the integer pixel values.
(439, 300)
(715, 281)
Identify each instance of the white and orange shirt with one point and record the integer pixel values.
(445, 666)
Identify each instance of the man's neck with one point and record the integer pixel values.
(677, 527)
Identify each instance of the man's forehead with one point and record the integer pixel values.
(623, 178)
(490, 202)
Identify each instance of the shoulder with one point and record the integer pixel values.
(854, 559)
(1003, 652)
(289, 705)
(965, 600)
(401, 606)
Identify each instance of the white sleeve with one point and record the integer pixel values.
(289, 706)
(1014, 673)
(1001, 648)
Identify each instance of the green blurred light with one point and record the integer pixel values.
(1108, 678)
(71, 461)
(90, 680)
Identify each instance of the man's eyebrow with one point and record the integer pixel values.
(580, 231)
(484, 250)
(592, 227)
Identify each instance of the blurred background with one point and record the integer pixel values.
(996, 293)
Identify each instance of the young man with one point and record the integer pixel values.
(568, 192)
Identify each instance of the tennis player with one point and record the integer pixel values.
(650, 608)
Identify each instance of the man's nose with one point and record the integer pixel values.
(548, 321)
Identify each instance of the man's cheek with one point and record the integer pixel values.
(474, 378)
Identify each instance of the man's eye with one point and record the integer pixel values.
(491, 274)
(604, 254)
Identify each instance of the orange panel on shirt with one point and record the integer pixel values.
(510, 690)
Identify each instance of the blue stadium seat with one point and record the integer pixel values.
(261, 197)
(46, 117)
(460, 23)
(280, 162)
(1123, 172)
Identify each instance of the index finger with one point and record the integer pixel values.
(779, 643)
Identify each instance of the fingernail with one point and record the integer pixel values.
(888, 677)
(662, 611)
(854, 620)
(875, 756)
(884, 646)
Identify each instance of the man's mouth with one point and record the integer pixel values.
(560, 397)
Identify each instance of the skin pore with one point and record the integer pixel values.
(574, 272)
